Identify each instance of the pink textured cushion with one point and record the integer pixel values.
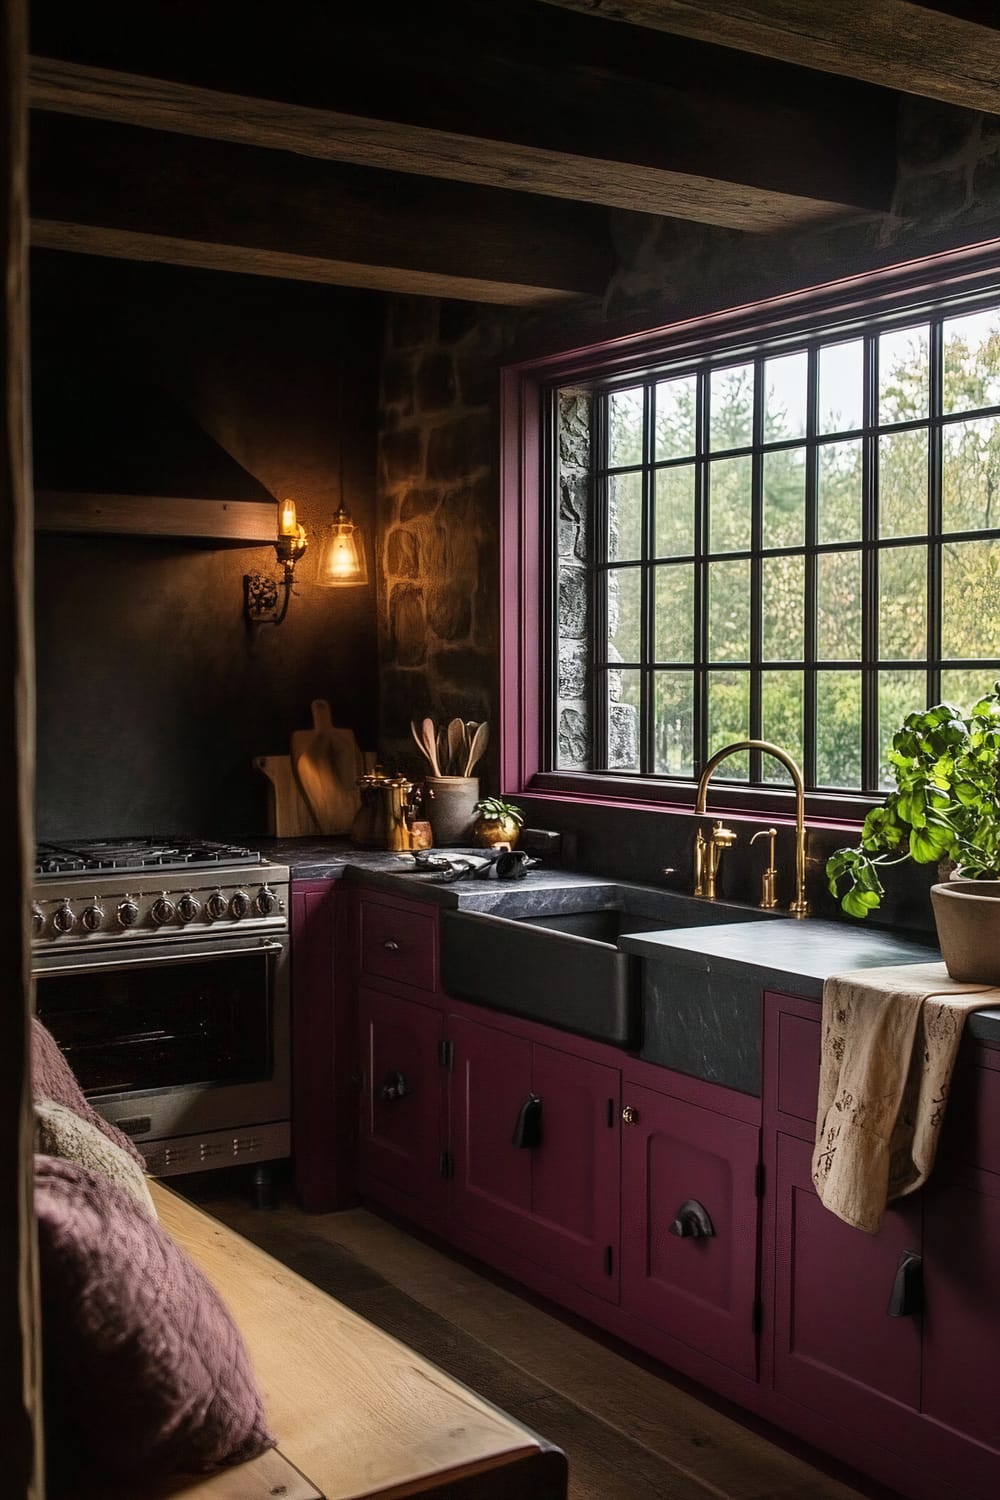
(147, 1374)
(53, 1078)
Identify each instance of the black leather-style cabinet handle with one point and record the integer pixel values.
(395, 1087)
(692, 1221)
(906, 1300)
(528, 1125)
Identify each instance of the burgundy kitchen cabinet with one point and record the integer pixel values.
(401, 1098)
(919, 1382)
(689, 1223)
(534, 1147)
(323, 1047)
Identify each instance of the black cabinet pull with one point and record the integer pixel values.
(906, 1299)
(395, 1087)
(692, 1221)
(528, 1126)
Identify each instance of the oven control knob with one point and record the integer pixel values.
(240, 904)
(188, 908)
(128, 912)
(63, 919)
(162, 910)
(216, 905)
(93, 917)
(37, 920)
(266, 901)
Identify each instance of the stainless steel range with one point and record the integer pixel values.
(162, 971)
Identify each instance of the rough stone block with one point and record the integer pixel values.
(934, 134)
(449, 612)
(401, 455)
(402, 554)
(397, 381)
(574, 667)
(436, 387)
(418, 503)
(462, 666)
(572, 603)
(574, 740)
(407, 626)
(437, 558)
(623, 737)
(460, 448)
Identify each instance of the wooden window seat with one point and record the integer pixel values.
(357, 1414)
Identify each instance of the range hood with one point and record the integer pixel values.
(119, 456)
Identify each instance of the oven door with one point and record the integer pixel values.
(174, 1039)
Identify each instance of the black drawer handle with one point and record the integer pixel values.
(906, 1299)
(528, 1125)
(391, 944)
(692, 1221)
(395, 1087)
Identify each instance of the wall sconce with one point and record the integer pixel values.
(260, 591)
(342, 564)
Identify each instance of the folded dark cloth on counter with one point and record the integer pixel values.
(890, 1039)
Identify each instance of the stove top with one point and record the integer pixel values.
(87, 856)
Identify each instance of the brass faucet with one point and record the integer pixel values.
(800, 906)
(707, 853)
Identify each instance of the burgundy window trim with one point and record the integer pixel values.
(524, 586)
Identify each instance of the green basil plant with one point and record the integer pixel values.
(946, 807)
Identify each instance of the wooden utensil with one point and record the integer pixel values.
(430, 745)
(458, 746)
(477, 749)
(442, 749)
(290, 815)
(327, 762)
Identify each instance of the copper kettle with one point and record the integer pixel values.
(385, 819)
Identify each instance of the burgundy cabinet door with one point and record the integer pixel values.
(490, 1080)
(402, 1096)
(573, 1229)
(700, 1289)
(962, 1310)
(836, 1349)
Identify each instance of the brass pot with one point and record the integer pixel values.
(488, 832)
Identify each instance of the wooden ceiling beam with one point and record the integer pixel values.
(913, 47)
(138, 194)
(759, 167)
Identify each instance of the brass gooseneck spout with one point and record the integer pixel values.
(800, 906)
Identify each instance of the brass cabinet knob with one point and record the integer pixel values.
(629, 1115)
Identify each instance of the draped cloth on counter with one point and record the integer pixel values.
(890, 1039)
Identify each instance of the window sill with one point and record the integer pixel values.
(823, 810)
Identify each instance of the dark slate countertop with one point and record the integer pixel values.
(796, 956)
(781, 952)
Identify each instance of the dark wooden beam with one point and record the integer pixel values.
(139, 194)
(246, 522)
(690, 139)
(951, 54)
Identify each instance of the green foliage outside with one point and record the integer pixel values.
(970, 623)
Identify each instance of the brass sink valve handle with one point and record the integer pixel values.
(769, 877)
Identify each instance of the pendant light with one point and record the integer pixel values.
(342, 563)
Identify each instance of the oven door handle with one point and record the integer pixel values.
(206, 955)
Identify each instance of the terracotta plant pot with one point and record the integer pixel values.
(967, 913)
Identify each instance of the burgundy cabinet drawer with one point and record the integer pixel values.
(399, 943)
(798, 1065)
(971, 1134)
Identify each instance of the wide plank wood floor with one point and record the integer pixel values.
(628, 1433)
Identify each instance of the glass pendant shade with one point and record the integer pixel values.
(342, 562)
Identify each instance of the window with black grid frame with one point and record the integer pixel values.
(800, 544)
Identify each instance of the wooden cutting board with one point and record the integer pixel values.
(291, 817)
(327, 762)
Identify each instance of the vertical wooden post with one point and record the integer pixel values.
(20, 1404)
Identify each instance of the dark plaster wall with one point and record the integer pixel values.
(153, 696)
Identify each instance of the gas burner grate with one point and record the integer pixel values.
(130, 854)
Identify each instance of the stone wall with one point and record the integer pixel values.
(437, 533)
